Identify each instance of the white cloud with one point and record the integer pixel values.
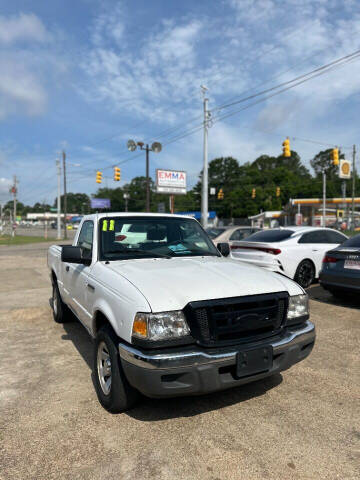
(108, 27)
(5, 185)
(30, 64)
(20, 90)
(159, 77)
(22, 27)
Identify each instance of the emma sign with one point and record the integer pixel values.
(172, 182)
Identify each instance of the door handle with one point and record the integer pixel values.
(91, 287)
(67, 268)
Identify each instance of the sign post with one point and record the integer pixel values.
(172, 182)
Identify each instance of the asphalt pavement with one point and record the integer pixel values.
(302, 424)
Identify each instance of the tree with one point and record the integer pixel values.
(75, 202)
(323, 160)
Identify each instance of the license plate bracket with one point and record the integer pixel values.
(250, 362)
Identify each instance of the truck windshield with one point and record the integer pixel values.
(123, 238)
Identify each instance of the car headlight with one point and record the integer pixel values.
(160, 326)
(298, 308)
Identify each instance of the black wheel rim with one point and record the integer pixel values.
(305, 274)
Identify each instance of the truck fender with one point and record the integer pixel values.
(102, 308)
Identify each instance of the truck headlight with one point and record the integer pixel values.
(298, 307)
(160, 326)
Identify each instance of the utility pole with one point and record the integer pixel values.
(324, 198)
(147, 179)
(65, 197)
(58, 199)
(14, 192)
(353, 190)
(204, 194)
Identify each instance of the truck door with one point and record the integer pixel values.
(76, 276)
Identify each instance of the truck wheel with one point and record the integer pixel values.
(305, 274)
(113, 390)
(61, 313)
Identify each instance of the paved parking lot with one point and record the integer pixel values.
(303, 424)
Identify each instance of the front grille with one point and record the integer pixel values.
(238, 319)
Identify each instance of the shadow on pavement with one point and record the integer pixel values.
(319, 294)
(150, 409)
(77, 334)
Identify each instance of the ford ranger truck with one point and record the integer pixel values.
(170, 314)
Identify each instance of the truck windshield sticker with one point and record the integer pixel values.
(179, 248)
(104, 226)
(112, 225)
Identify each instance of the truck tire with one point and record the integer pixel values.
(113, 390)
(61, 313)
(305, 273)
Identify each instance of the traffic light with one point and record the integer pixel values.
(286, 148)
(335, 156)
(220, 194)
(98, 177)
(117, 174)
(278, 191)
(253, 193)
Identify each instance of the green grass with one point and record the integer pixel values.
(21, 240)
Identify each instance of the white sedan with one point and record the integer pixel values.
(297, 252)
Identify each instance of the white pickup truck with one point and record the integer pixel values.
(170, 314)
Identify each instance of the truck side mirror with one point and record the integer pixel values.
(70, 254)
(224, 249)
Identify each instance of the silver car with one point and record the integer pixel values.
(230, 234)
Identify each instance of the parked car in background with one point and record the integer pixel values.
(230, 234)
(340, 272)
(297, 252)
(214, 232)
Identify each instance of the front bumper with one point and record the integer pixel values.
(194, 370)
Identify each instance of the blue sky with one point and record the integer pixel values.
(87, 75)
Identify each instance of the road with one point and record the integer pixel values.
(303, 424)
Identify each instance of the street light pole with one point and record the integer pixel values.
(126, 198)
(58, 199)
(65, 195)
(156, 147)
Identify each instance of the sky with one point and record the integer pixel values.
(85, 76)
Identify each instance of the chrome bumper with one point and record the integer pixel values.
(197, 357)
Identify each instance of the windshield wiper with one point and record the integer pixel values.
(143, 252)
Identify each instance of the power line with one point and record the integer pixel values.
(277, 93)
(318, 69)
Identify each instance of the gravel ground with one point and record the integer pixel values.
(303, 424)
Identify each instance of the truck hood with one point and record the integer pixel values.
(172, 284)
